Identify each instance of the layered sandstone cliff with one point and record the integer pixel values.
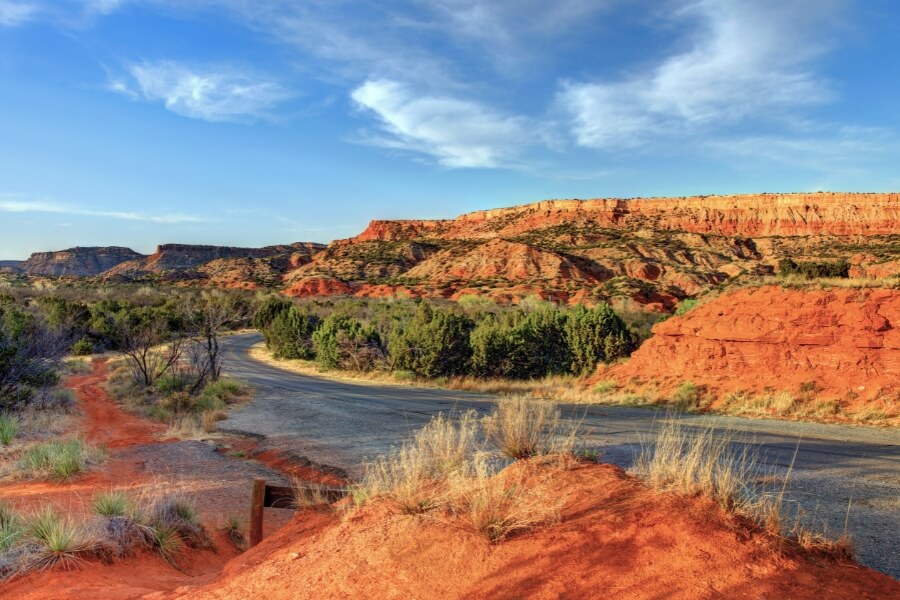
(654, 251)
(743, 215)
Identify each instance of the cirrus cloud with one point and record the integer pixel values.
(215, 95)
(745, 60)
(454, 132)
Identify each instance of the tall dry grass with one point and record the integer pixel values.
(522, 427)
(463, 468)
(700, 462)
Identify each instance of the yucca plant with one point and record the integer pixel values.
(59, 539)
(112, 504)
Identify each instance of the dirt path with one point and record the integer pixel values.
(139, 461)
(106, 424)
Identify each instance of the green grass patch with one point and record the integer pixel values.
(59, 458)
(9, 428)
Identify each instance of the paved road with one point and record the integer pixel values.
(340, 423)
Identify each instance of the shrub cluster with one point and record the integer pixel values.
(432, 341)
(814, 269)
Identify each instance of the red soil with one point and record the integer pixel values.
(286, 465)
(105, 423)
(616, 539)
(844, 341)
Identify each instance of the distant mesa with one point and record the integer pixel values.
(11, 267)
(81, 262)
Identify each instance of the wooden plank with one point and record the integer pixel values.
(257, 503)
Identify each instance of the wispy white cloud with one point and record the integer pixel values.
(510, 34)
(454, 132)
(745, 60)
(102, 7)
(833, 149)
(28, 206)
(211, 94)
(13, 14)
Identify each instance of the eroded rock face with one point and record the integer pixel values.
(83, 262)
(844, 344)
(651, 251)
(750, 215)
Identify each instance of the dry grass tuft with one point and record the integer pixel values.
(311, 495)
(523, 427)
(500, 504)
(443, 467)
(697, 462)
(411, 475)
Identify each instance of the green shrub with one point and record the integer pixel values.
(596, 335)
(83, 347)
(434, 342)
(814, 269)
(268, 310)
(9, 428)
(524, 346)
(59, 538)
(685, 305)
(289, 334)
(11, 527)
(171, 383)
(606, 386)
(59, 458)
(687, 395)
(344, 342)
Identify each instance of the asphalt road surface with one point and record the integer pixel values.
(338, 423)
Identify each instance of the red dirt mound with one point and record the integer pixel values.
(615, 539)
(841, 344)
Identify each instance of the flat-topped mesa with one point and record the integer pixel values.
(186, 256)
(83, 262)
(751, 215)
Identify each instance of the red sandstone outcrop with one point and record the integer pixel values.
(748, 215)
(842, 343)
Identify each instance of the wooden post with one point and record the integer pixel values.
(256, 511)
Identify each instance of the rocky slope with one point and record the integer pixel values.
(838, 347)
(81, 262)
(654, 251)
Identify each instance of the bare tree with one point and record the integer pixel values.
(207, 318)
(151, 348)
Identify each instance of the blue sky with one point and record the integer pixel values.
(253, 122)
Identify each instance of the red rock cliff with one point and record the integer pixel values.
(742, 215)
(844, 343)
